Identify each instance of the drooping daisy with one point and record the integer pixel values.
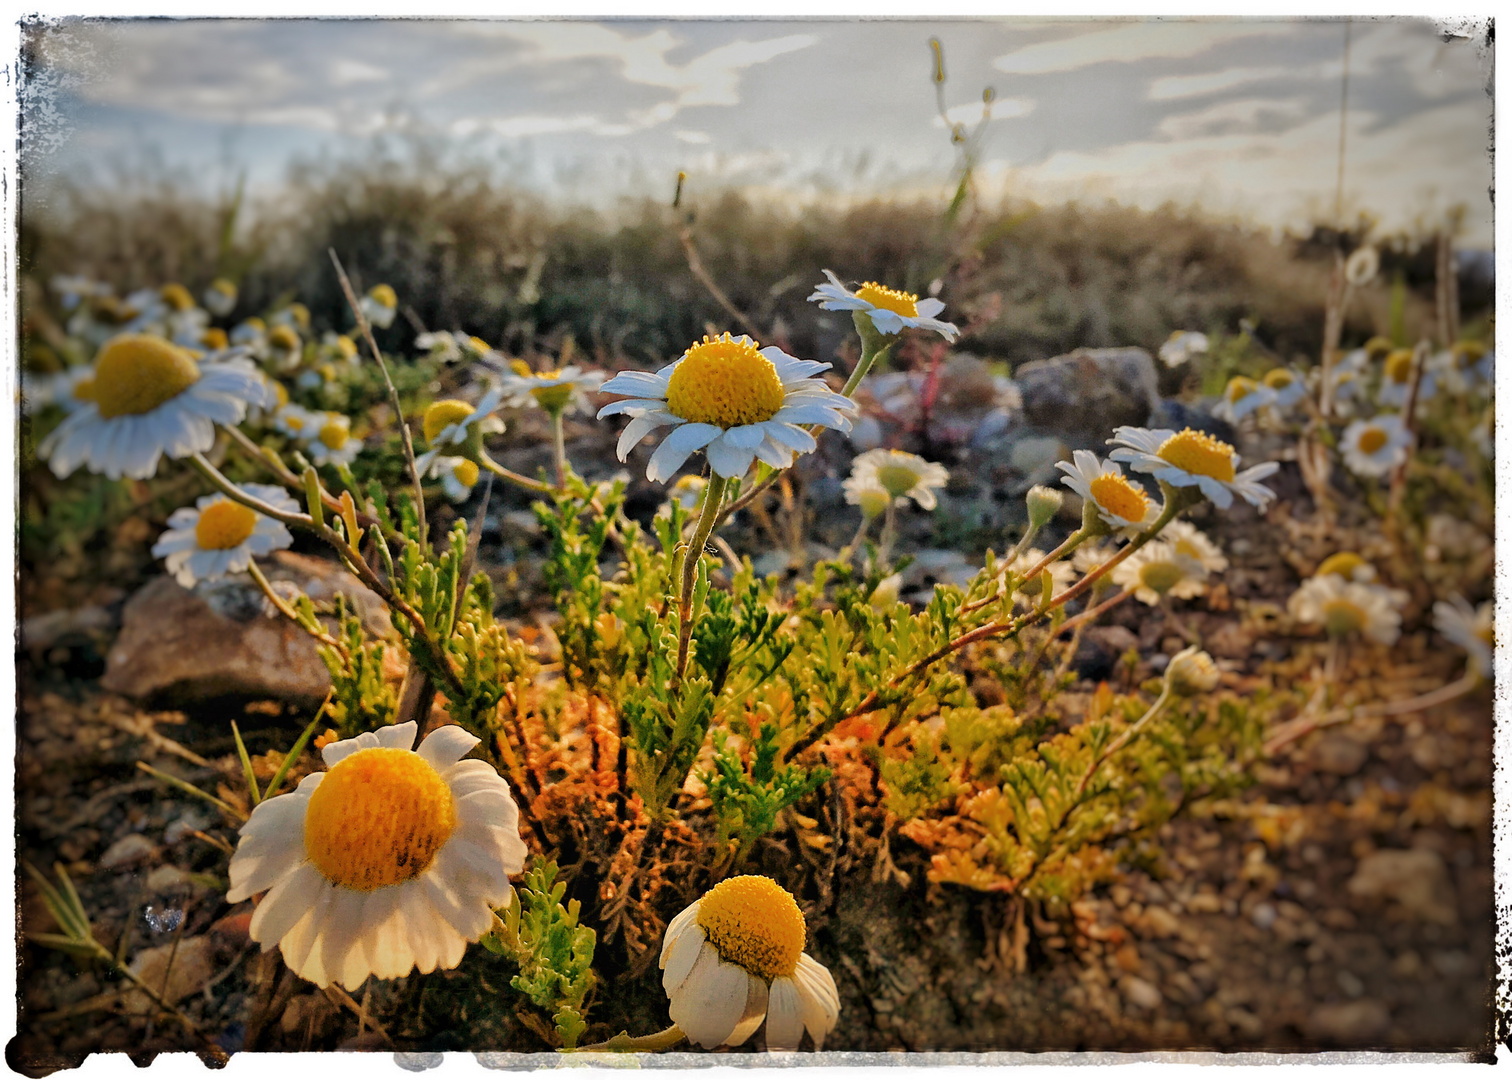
(449, 423)
(1471, 628)
(392, 860)
(563, 390)
(1396, 380)
(731, 399)
(1467, 364)
(1287, 387)
(1347, 565)
(1344, 608)
(219, 298)
(1181, 346)
(379, 306)
(1241, 397)
(1120, 503)
(457, 476)
(149, 398)
(1194, 459)
(1376, 446)
(329, 440)
(735, 958)
(901, 475)
(295, 316)
(873, 498)
(890, 311)
(219, 536)
(1192, 542)
(1158, 570)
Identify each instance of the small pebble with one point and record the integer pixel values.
(1263, 916)
(127, 851)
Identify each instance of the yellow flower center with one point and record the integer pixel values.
(176, 296)
(224, 525)
(479, 344)
(224, 287)
(1239, 388)
(214, 338)
(378, 818)
(1342, 617)
(1377, 347)
(384, 296)
(1200, 454)
(522, 369)
(283, 336)
(255, 323)
(138, 372)
(295, 421)
(335, 433)
(873, 501)
(899, 475)
(84, 389)
(346, 346)
(280, 394)
(1160, 576)
(1343, 563)
(724, 382)
(1399, 366)
(466, 472)
(754, 922)
(1371, 440)
(1466, 353)
(900, 303)
(301, 315)
(443, 414)
(1113, 492)
(553, 398)
(1279, 378)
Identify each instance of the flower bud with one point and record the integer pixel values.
(885, 595)
(1044, 503)
(1190, 672)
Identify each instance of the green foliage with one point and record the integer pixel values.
(360, 698)
(553, 950)
(749, 794)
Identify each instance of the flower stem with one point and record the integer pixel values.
(1123, 740)
(1304, 725)
(513, 477)
(889, 533)
(560, 449)
(661, 1040)
(707, 513)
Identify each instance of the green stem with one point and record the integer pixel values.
(513, 477)
(889, 533)
(1123, 740)
(713, 495)
(560, 448)
(661, 1040)
(1172, 508)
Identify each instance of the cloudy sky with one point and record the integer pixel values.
(1241, 117)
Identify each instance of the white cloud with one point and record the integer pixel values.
(346, 72)
(1233, 118)
(694, 138)
(1172, 87)
(1143, 40)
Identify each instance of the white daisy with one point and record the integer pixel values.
(1241, 397)
(457, 476)
(379, 306)
(1348, 607)
(69, 389)
(149, 398)
(901, 475)
(1091, 555)
(219, 298)
(871, 498)
(890, 311)
(1157, 570)
(448, 423)
(442, 345)
(1472, 629)
(74, 289)
(1181, 346)
(1194, 459)
(390, 861)
(1192, 542)
(218, 536)
(329, 440)
(1119, 502)
(1062, 573)
(294, 420)
(688, 492)
(735, 958)
(1286, 385)
(731, 399)
(1396, 380)
(1376, 446)
(563, 390)
(251, 332)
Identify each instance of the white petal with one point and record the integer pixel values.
(639, 427)
(446, 746)
(784, 1030)
(286, 903)
(929, 307)
(679, 955)
(755, 1011)
(676, 447)
(728, 460)
(614, 408)
(712, 1000)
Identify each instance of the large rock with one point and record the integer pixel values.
(1089, 392)
(179, 645)
(1416, 879)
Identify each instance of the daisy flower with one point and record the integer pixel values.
(379, 306)
(1192, 672)
(871, 498)
(1192, 542)
(457, 476)
(149, 398)
(251, 332)
(219, 298)
(1347, 565)
(391, 860)
(688, 492)
(448, 423)
(1194, 459)
(442, 345)
(283, 348)
(70, 389)
(890, 311)
(731, 399)
(1102, 484)
(1062, 573)
(901, 475)
(1396, 380)
(294, 420)
(735, 958)
(295, 316)
(1469, 628)
(1091, 555)
(1286, 386)
(218, 536)
(562, 390)
(1158, 570)
(1181, 346)
(1347, 607)
(332, 441)
(1241, 397)
(1376, 446)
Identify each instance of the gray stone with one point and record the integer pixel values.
(182, 645)
(1035, 456)
(1089, 392)
(1350, 1023)
(127, 851)
(1339, 754)
(1176, 415)
(1139, 993)
(1416, 879)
